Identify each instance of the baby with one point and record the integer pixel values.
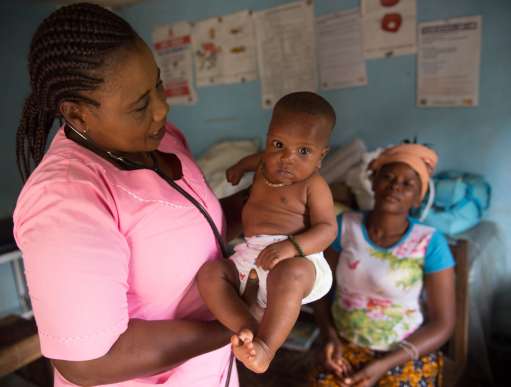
(288, 221)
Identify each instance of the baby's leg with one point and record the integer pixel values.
(218, 284)
(288, 284)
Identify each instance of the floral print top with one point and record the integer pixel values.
(378, 289)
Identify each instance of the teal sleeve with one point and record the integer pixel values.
(336, 245)
(438, 255)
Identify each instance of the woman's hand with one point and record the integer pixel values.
(367, 376)
(333, 359)
(274, 253)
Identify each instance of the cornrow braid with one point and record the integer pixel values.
(67, 51)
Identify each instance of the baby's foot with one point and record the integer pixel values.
(252, 352)
(242, 346)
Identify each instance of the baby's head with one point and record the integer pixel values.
(298, 137)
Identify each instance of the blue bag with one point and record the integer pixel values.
(461, 200)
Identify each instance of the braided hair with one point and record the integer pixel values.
(66, 56)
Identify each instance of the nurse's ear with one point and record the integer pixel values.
(74, 114)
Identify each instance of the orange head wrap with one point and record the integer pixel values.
(418, 157)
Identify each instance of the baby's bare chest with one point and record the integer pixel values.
(292, 199)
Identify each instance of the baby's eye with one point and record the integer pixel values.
(304, 151)
(277, 144)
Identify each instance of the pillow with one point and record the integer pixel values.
(341, 159)
(220, 156)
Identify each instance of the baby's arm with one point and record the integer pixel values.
(323, 226)
(246, 164)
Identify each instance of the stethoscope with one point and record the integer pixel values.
(130, 165)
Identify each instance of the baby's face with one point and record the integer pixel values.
(295, 145)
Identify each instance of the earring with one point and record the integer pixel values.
(81, 134)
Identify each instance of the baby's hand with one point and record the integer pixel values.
(234, 174)
(274, 253)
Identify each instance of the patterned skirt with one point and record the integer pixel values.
(423, 372)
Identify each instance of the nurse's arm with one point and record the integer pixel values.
(232, 206)
(151, 347)
(146, 348)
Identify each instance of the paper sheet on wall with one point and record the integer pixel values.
(341, 58)
(286, 50)
(448, 62)
(224, 49)
(389, 27)
(172, 44)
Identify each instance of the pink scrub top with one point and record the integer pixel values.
(102, 246)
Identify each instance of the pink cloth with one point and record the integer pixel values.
(102, 246)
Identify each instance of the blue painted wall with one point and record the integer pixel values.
(384, 112)
(17, 25)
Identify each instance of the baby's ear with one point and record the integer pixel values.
(323, 154)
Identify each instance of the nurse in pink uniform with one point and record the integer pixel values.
(111, 253)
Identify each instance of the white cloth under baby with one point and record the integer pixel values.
(244, 258)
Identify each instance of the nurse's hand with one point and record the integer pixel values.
(250, 296)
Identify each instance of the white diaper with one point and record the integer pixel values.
(246, 253)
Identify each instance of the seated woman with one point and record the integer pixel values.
(375, 331)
